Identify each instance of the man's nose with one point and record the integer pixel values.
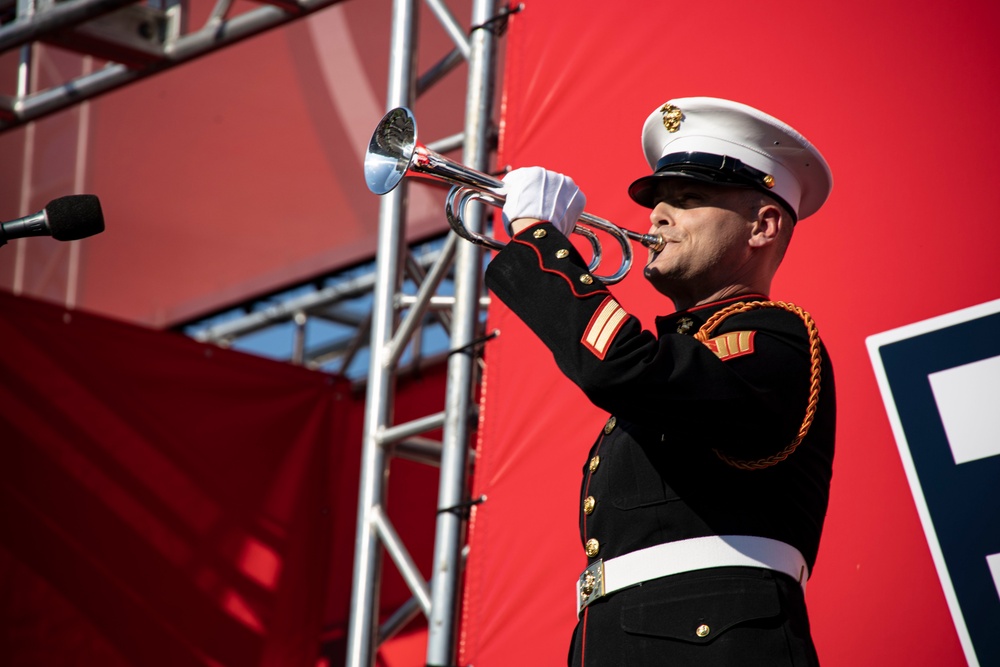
(660, 215)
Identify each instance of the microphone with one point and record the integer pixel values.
(64, 219)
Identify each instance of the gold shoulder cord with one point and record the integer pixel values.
(814, 381)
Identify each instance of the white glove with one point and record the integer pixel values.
(533, 192)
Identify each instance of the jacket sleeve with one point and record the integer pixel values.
(648, 380)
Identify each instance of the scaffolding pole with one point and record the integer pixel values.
(365, 586)
(450, 529)
(438, 600)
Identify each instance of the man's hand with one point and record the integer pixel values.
(534, 192)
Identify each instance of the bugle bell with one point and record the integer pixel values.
(394, 153)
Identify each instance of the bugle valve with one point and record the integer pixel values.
(394, 153)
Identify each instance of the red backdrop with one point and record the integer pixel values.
(899, 96)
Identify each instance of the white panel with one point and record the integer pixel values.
(968, 399)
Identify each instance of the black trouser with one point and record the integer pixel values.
(732, 616)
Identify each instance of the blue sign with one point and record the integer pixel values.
(940, 381)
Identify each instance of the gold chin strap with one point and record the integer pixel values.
(814, 381)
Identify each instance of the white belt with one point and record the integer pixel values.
(698, 553)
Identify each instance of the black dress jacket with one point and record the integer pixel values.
(698, 443)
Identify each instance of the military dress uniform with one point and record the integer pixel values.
(703, 498)
(696, 446)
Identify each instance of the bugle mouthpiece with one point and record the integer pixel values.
(653, 241)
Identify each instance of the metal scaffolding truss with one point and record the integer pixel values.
(406, 291)
(133, 40)
(326, 324)
(438, 600)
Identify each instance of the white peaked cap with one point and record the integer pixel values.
(729, 143)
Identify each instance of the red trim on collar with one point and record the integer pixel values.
(713, 304)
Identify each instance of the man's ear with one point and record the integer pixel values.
(767, 227)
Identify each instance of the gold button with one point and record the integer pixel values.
(594, 462)
(702, 630)
(539, 233)
(588, 505)
(769, 181)
(586, 279)
(609, 426)
(562, 253)
(593, 546)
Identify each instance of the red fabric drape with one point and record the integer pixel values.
(169, 503)
(162, 502)
(886, 91)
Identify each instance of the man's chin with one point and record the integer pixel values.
(654, 272)
(655, 277)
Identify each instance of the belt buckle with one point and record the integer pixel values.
(590, 585)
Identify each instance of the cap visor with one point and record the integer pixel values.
(643, 190)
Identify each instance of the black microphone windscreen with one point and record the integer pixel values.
(75, 217)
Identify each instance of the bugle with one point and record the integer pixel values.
(394, 153)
